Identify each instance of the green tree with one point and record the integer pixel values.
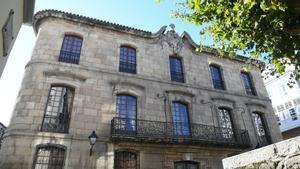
(258, 28)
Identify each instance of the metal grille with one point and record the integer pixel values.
(216, 77)
(71, 49)
(180, 119)
(260, 129)
(58, 109)
(125, 160)
(225, 123)
(176, 69)
(126, 110)
(49, 157)
(248, 83)
(163, 132)
(127, 60)
(186, 165)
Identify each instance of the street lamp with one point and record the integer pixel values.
(93, 138)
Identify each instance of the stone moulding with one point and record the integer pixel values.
(65, 74)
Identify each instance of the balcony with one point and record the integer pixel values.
(134, 130)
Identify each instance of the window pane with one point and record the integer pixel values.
(216, 77)
(247, 84)
(71, 49)
(180, 119)
(49, 157)
(260, 129)
(225, 123)
(127, 60)
(126, 111)
(58, 110)
(125, 160)
(176, 69)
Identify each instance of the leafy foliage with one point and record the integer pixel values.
(255, 27)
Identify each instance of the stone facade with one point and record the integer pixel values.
(97, 81)
(2, 131)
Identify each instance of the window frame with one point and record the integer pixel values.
(130, 123)
(53, 146)
(265, 128)
(128, 152)
(188, 123)
(126, 66)
(178, 76)
(69, 56)
(227, 133)
(67, 126)
(218, 84)
(250, 90)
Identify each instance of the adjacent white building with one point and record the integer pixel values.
(286, 103)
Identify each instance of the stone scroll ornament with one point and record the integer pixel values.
(173, 40)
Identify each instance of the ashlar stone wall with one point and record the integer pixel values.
(97, 81)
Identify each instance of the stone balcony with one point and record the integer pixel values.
(146, 131)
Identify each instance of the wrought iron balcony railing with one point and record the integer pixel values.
(124, 129)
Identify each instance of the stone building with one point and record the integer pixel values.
(153, 101)
(286, 103)
(2, 131)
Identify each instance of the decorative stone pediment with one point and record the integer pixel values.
(174, 41)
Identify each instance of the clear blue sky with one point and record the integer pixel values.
(142, 14)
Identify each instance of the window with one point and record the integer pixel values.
(7, 33)
(248, 83)
(216, 77)
(126, 113)
(127, 60)
(296, 101)
(186, 165)
(293, 114)
(49, 157)
(176, 70)
(58, 109)
(71, 49)
(260, 128)
(225, 122)
(125, 160)
(280, 108)
(181, 126)
(288, 105)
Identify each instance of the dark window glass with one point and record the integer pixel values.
(260, 129)
(180, 119)
(127, 60)
(216, 77)
(186, 165)
(248, 84)
(8, 33)
(71, 49)
(125, 160)
(176, 69)
(225, 123)
(49, 157)
(293, 114)
(126, 111)
(58, 109)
